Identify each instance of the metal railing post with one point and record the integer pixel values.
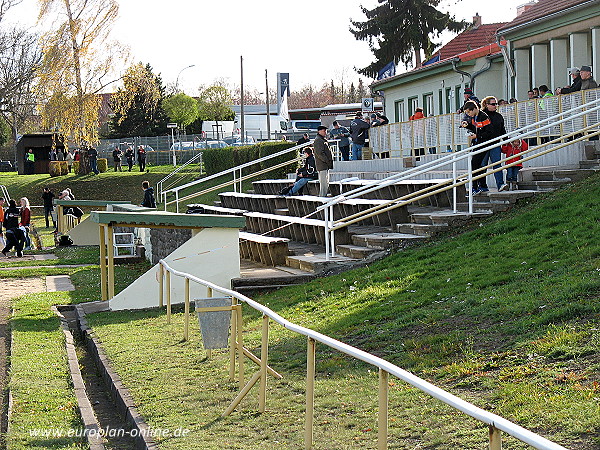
(161, 271)
(382, 419)
(310, 393)
(495, 438)
(103, 261)
(240, 344)
(186, 314)
(454, 189)
(470, 193)
(332, 233)
(232, 340)
(168, 288)
(177, 201)
(264, 354)
(326, 234)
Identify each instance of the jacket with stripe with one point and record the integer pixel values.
(482, 126)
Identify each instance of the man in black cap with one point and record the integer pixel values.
(587, 82)
(303, 140)
(468, 95)
(323, 160)
(575, 85)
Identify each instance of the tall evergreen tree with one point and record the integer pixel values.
(138, 106)
(400, 29)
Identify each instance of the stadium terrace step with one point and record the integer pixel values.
(385, 240)
(543, 186)
(265, 203)
(447, 217)
(355, 251)
(199, 208)
(256, 277)
(266, 250)
(318, 263)
(562, 174)
(420, 229)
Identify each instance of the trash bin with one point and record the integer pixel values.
(214, 325)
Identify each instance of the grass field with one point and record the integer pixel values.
(503, 314)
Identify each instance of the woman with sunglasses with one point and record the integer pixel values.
(490, 107)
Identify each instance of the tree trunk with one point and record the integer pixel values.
(417, 58)
(84, 162)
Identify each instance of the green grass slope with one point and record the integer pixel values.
(503, 313)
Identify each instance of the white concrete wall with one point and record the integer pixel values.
(212, 255)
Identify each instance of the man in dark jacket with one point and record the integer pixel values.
(480, 125)
(490, 107)
(48, 197)
(148, 201)
(341, 133)
(305, 173)
(575, 85)
(359, 131)
(15, 237)
(303, 140)
(323, 160)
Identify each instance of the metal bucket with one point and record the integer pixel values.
(214, 325)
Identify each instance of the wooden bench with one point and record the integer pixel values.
(265, 203)
(199, 208)
(311, 231)
(306, 204)
(270, 251)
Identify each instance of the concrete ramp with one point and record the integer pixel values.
(212, 254)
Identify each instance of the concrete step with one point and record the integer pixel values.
(385, 240)
(448, 217)
(355, 251)
(484, 206)
(543, 185)
(318, 263)
(511, 197)
(420, 229)
(562, 174)
(590, 164)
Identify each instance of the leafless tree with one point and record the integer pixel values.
(20, 57)
(5, 5)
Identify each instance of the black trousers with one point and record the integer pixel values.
(14, 238)
(48, 212)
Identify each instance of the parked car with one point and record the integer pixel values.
(6, 166)
(215, 144)
(236, 140)
(186, 145)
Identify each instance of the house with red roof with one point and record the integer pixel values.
(472, 59)
(549, 38)
(539, 46)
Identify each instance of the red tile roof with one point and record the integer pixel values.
(541, 9)
(470, 40)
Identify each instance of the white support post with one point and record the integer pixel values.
(470, 193)
(454, 190)
(326, 211)
(177, 201)
(332, 233)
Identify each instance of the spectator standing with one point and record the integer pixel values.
(129, 157)
(536, 93)
(60, 156)
(543, 110)
(341, 133)
(468, 96)
(117, 153)
(306, 173)
(93, 157)
(69, 158)
(15, 237)
(25, 222)
(141, 153)
(303, 140)
(378, 119)
(480, 125)
(490, 107)
(149, 201)
(77, 155)
(530, 94)
(587, 81)
(359, 130)
(52, 155)
(29, 162)
(513, 148)
(575, 84)
(418, 130)
(323, 159)
(48, 198)
(11, 215)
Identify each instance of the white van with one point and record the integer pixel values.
(255, 126)
(304, 125)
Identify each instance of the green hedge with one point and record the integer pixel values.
(218, 159)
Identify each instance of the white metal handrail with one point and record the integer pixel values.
(453, 158)
(159, 185)
(4, 192)
(491, 419)
(234, 171)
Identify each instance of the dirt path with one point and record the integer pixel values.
(9, 289)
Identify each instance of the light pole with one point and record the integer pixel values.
(177, 79)
(268, 113)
